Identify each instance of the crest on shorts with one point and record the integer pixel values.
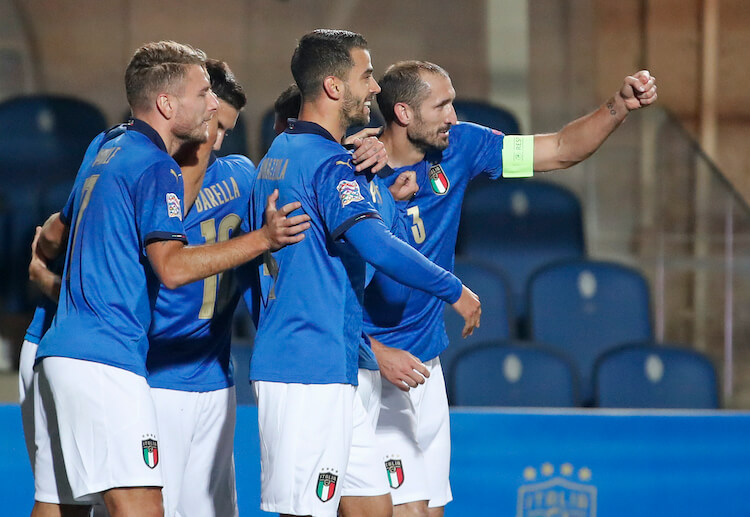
(556, 491)
(150, 452)
(395, 473)
(326, 486)
(349, 192)
(439, 180)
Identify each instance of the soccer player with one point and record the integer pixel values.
(423, 135)
(305, 358)
(125, 237)
(188, 362)
(364, 488)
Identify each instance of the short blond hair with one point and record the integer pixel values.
(156, 67)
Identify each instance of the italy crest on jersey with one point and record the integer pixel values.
(439, 180)
(326, 486)
(150, 452)
(395, 473)
(349, 192)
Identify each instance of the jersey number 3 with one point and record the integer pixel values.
(417, 229)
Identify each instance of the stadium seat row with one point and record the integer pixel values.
(637, 375)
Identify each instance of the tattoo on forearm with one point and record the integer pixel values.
(611, 106)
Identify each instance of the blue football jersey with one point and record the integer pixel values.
(128, 194)
(43, 315)
(190, 334)
(310, 322)
(433, 216)
(388, 208)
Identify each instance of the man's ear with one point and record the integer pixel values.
(166, 105)
(403, 113)
(334, 87)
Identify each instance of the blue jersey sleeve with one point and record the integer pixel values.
(158, 205)
(395, 258)
(340, 194)
(483, 147)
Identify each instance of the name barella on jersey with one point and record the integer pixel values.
(433, 216)
(128, 193)
(310, 321)
(191, 329)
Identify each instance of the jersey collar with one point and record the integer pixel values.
(297, 127)
(135, 124)
(211, 159)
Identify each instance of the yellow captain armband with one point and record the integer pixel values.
(518, 156)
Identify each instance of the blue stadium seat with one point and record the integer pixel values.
(42, 141)
(512, 374)
(44, 137)
(585, 307)
(486, 114)
(649, 375)
(520, 225)
(236, 141)
(241, 353)
(497, 316)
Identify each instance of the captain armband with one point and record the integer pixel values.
(518, 156)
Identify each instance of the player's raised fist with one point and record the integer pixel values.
(405, 186)
(638, 90)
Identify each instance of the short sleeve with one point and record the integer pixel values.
(158, 204)
(342, 196)
(484, 146)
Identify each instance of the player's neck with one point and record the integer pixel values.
(161, 126)
(401, 152)
(193, 161)
(322, 114)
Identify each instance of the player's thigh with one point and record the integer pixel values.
(305, 438)
(51, 485)
(365, 473)
(107, 426)
(134, 502)
(366, 506)
(176, 418)
(401, 456)
(433, 434)
(209, 479)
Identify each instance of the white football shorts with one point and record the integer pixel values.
(26, 394)
(305, 439)
(196, 446)
(414, 434)
(95, 429)
(364, 474)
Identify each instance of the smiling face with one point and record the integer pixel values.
(360, 89)
(195, 105)
(434, 117)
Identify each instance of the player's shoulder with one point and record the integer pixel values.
(237, 161)
(469, 130)
(238, 166)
